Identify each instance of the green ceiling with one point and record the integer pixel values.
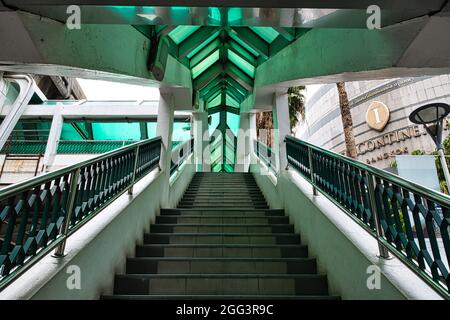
(223, 63)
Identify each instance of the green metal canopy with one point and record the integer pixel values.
(223, 62)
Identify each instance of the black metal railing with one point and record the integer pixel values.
(180, 154)
(39, 214)
(408, 220)
(266, 154)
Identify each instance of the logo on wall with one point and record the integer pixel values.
(377, 116)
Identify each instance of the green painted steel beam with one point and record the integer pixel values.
(205, 52)
(239, 76)
(236, 94)
(277, 45)
(210, 85)
(236, 85)
(287, 33)
(213, 91)
(213, 96)
(252, 40)
(195, 39)
(241, 52)
(209, 75)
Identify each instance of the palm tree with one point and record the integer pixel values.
(347, 121)
(296, 101)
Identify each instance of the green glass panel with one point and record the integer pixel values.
(236, 38)
(214, 14)
(116, 131)
(181, 131)
(234, 15)
(203, 44)
(233, 122)
(215, 120)
(215, 102)
(151, 129)
(180, 33)
(231, 102)
(228, 168)
(241, 63)
(69, 133)
(267, 33)
(205, 64)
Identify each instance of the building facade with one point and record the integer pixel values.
(380, 111)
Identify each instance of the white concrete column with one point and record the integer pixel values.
(53, 139)
(164, 129)
(243, 143)
(201, 141)
(253, 133)
(281, 125)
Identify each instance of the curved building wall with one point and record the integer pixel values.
(323, 126)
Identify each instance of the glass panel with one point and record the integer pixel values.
(203, 44)
(241, 63)
(236, 38)
(180, 33)
(215, 102)
(230, 101)
(181, 131)
(267, 33)
(205, 64)
(215, 120)
(233, 122)
(116, 131)
(69, 133)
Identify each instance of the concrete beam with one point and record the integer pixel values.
(33, 44)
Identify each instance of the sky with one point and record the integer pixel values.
(105, 90)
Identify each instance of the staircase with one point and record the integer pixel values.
(221, 242)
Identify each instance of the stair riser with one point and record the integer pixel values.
(251, 212)
(222, 220)
(197, 239)
(231, 206)
(142, 266)
(222, 252)
(221, 229)
(227, 285)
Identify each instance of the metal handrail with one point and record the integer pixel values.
(266, 155)
(39, 214)
(437, 196)
(408, 220)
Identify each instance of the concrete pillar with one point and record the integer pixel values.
(164, 129)
(281, 125)
(53, 139)
(252, 128)
(244, 143)
(201, 138)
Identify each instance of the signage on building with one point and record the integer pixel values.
(377, 116)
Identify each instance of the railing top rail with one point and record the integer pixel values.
(412, 186)
(39, 180)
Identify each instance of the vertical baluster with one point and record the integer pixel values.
(135, 165)
(384, 253)
(73, 190)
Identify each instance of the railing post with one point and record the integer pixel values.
(59, 252)
(311, 171)
(384, 252)
(130, 189)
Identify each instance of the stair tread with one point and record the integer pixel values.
(225, 275)
(221, 259)
(218, 297)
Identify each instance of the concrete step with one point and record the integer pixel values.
(205, 206)
(223, 219)
(222, 212)
(217, 265)
(221, 228)
(226, 251)
(221, 238)
(246, 284)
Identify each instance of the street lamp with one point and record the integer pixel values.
(432, 116)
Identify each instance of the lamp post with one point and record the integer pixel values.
(432, 116)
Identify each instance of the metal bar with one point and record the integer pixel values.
(130, 189)
(384, 252)
(28, 184)
(311, 170)
(59, 252)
